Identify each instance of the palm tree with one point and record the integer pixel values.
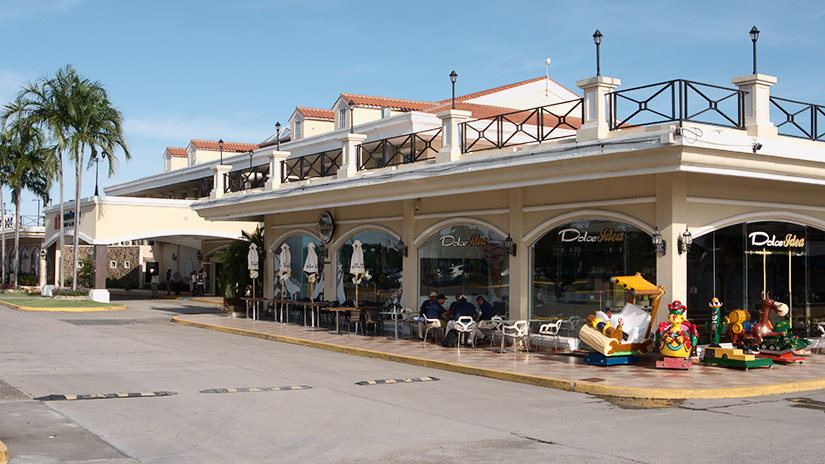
(235, 279)
(3, 181)
(95, 124)
(29, 165)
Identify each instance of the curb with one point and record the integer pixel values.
(4, 453)
(539, 381)
(64, 310)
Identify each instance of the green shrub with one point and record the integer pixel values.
(28, 280)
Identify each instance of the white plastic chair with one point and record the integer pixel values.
(821, 328)
(551, 329)
(465, 325)
(519, 330)
(435, 325)
(493, 326)
(569, 324)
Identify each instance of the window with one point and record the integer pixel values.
(298, 284)
(113, 264)
(383, 261)
(127, 265)
(298, 132)
(342, 118)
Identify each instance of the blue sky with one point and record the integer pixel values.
(180, 70)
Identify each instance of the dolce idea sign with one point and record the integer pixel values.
(575, 235)
(759, 239)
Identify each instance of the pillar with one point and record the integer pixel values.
(450, 135)
(42, 271)
(349, 157)
(671, 218)
(409, 299)
(276, 159)
(519, 272)
(596, 123)
(218, 183)
(99, 292)
(757, 103)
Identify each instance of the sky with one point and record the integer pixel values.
(182, 70)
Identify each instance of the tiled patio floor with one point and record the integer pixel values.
(545, 368)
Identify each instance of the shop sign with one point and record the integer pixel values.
(764, 239)
(606, 235)
(475, 240)
(68, 219)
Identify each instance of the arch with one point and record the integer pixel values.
(69, 233)
(24, 260)
(155, 235)
(459, 221)
(214, 250)
(363, 228)
(286, 235)
(758, 216)
(34, 263)
(537, 232)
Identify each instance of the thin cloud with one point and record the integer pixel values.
(19, 8)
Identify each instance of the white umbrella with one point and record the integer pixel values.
(286, 262)
(311, 264)
(356, 265)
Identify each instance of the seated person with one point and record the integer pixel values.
(455, 303)
(426, 304)
(434, 311)
(463, 308)
(485, 309)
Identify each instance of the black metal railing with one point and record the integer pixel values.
(799, 119)
(25, 221)
(556, 121)
(676, 100)
(245, 179)
(207, 184)
(321, 164)
(402, 149)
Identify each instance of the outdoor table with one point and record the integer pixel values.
(337, 312)
(254, 301)
(284, 312)
(312, 305)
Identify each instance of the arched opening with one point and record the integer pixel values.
(382, 260)
(297, 284)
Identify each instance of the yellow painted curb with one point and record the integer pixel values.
(63, 310)
(4, 453)
(198, 300)
(540, 381)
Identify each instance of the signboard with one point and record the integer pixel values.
(605, 236)
(764, 239)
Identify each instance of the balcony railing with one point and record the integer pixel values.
(403, 149)
(207, 184)
(25, 221)
(245, 179)
(676, 100)
(316, 165)
(798, 119)
(541, 124)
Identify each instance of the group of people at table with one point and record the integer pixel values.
(433, 309)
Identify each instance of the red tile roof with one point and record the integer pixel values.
(227, 146)
(177, 151)
(394, 103)
(470, 96)
(315, 113)
(514, 115)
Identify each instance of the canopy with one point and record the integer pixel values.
(311, 264)
(637, 285)
(356, 265)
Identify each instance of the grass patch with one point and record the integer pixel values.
(41, 302)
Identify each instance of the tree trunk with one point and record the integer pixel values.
(3, 228)
(76, 237)
(61, 278)
(16, 237)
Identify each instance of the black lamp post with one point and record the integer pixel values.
(250, 159)
(97, 161)
(278, 134)
(597, 39)
(220, 144)
(754, 37)
(351, 120)
(453, 77)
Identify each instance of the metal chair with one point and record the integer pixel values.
(465, 325)
(432, 324)
(519, 330)
(493, 326)
(551, 329)
(372, 318)
(355, 319)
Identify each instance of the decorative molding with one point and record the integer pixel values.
(480, 212)
(370, 220)
(364, 228)
(537, 232)
(429, 231)
(590, 204)
(759, 216)
(754, 204)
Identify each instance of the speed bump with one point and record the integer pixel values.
(390, 381)
(104, 396)
(255, 389)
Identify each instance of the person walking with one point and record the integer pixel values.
(201, 282)
(154, 280)
(193, 281)
(168, 281)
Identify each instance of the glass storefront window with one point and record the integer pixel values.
(298, 285)
(573, 263)
(471, 260)
(382, 260)
(737, 263)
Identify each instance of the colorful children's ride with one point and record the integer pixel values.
(676, 339)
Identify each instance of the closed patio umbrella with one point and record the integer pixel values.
(311, 271)
(285, 268)
(357, 267)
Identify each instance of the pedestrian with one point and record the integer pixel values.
(193, 280)
(154, 280)
(176, 282)
(168, 281)
(201, 282)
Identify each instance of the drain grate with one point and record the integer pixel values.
(255, 389)
(104, 396)
(391, 381)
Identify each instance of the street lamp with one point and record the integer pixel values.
(597, 39)
(453, 77)
(351, 120)
(220, 144)
(754, 37)
(278, 134)
(96, 159)
(250, 159)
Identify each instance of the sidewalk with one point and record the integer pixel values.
(546, 369)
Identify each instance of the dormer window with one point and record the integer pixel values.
(298, 132)
(342, 118)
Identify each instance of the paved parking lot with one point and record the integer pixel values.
(222, 404)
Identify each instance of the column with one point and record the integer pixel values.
(349, 146)
(671, 218)
(757, 103)
(99, 292)
(218, 181)
(519, 272)
(42, 271)
(276, 159)
(450, 135)
(596, 107)
(409, 299)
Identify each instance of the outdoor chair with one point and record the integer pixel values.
(465, 326)
(570, 324)
(372, 318)
(354, 320)
(406, 320)
(519, 330)
(821, 340)
(551, 329)
(435, 326)
(490, 328)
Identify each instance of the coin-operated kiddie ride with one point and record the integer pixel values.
(676, 338)
(619, 338)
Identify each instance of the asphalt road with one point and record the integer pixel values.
(458, 418)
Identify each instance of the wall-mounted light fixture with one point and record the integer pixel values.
(510, 245)
(685, 240)
(659, 244)
(402, 247)
(756, 146)
(322, 251)
(199, 255)
(174, 257)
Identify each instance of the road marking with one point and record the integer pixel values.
(255, 389)
(104, 396)
(390, 381)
